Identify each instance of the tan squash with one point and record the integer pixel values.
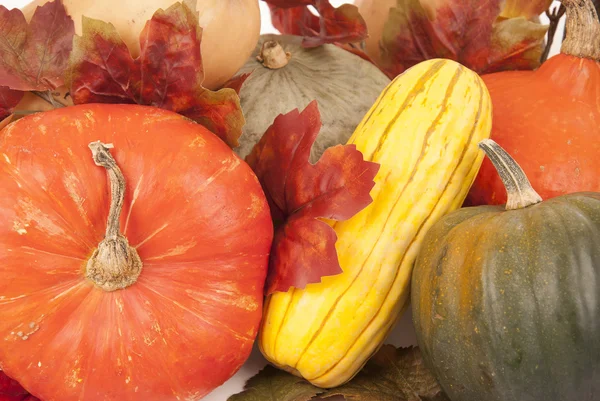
(286, 76)
(230, 28)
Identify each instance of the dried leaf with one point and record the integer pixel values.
(274, 384)
(355, 50)
(6, 121)
(467, 31)
(343, 24)
(236, 82)
(392, 374)
(524, 8)
(519, 56)
(300, 193)
(34, 56)
(9, 99)
(168, 73)
(10, 387)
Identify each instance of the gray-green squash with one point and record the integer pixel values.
(506, 300)
(287, 76)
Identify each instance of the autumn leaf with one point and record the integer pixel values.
(392, 374)
(355, 50)
(524, 8)
(343, 24)
(34, 56)
(10, 387)
(274, 384)
(467, 31)
(9, 98)
(6, 121)
(168, 73)
(300, 194)
(237, 81)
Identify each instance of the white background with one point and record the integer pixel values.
(403, 334)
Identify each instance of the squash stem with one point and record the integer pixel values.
(114, 264)
(582, 30)
(273, 56)
(520, 193)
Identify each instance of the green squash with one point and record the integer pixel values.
(506, 301)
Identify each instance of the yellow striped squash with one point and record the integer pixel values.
(423, 130)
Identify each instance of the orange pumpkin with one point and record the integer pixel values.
(549, 119)
(143, 285)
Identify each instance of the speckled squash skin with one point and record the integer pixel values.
(344, 85)
(506, 304)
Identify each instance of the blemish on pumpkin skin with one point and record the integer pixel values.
(73, 379)
(28, 213)
(198, 142)
(178, 250)
(229, 165)
(90, 116)
(21, 230)
(42, 129)
(6, 158)
(256, 206)
(136, 194)
(152, 235)
(71, 184)
(78, 125)
(119, 305)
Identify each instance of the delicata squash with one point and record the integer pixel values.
(423, 131)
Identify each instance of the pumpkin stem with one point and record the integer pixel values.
(114, 265)
(273, 56)
(518, 188)
(582, 30)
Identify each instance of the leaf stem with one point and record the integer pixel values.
(554, 16)
(49, 97)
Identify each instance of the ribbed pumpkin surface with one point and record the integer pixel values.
(423, 130)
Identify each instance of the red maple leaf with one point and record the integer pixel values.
(9, 98)
(293, 17)
(11, 390)
(34, 56)
(168, 73)
(237, 81)
(471, 32)
(300, 194)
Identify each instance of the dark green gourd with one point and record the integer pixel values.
(506, 300)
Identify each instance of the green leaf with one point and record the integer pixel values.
(274, 384)
(392, 375)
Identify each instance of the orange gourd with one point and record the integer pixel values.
(549, 119)
(131, 272)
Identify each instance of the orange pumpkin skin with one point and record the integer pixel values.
(549, 121)
(201, 225)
